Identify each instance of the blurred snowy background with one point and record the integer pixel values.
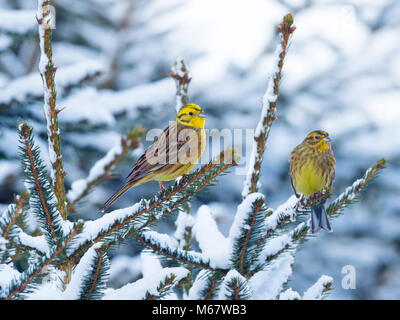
(342, 74)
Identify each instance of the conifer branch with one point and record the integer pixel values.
(319, 289)
(245, 232)
(42, 197)
(163, 288)
(11, 215)
(147, 212)
(191, 258)
(268, 114)
(211, 289)
(181, 74)
(234, 287)
(47, 72)
(103, 167)
(350, 194)
(94, 284)
(18, 286)
(301, 231)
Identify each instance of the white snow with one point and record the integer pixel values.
(206, 232)
(199, 284)
(273, 246)
(37, 242)
(80, 272)
(153, 275)
(289, 294)
(7, 274)
(223, 292)
(243, 210)
(267, 284)
(183, 221)
(92, 228)
(315, 291)
(284, 210)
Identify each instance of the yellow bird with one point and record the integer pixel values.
(172, 154)
(312, 169)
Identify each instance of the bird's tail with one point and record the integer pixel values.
(114, 197)
(319, 219)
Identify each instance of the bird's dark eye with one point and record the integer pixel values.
(317, 137)
(190, 113)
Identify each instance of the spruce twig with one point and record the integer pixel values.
(19, 286)
(268, 114)
(10, 217)
(94, 284)
(181, 74)
(47, 72)
(193, 259)
(301, 231)
(42, 197)
(147, 212)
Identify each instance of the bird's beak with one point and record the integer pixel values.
(202, 114)
(327, 139)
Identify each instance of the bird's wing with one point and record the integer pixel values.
(162, 153)
(294, 189)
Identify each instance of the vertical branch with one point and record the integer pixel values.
(47, 72)
(181, 74)
(268, 115)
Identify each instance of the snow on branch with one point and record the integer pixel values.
(205, 231)
(245, 232)
(157, 282)
(268, 113)
(276, 246)
(102, 168)
(47, 71)
(234, 287)
(27, 280)
(289, 294)
(350, 194)
(181, 74)
(184, 225)
(267, 284)
(117, 225)
(167, 247)
(89, 278)
(319, 289)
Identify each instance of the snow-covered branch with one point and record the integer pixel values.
(319, 289)
(181, 74)
(47, 71)
(30, 277)
(117, 225)
(268, 113)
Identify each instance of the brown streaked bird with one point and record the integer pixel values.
(172, 154)
(312, 169)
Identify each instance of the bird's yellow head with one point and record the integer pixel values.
(191, 115)
(318, 140)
